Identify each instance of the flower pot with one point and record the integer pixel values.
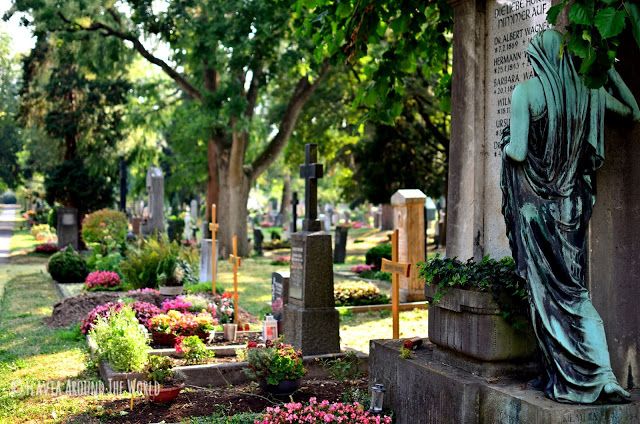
(170, 290)
(163, 339)
(229, 331)
(166, 394)
(284, 388)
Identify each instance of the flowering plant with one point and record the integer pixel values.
(281, 260)
(143, 311)
(177, 304)
(144, 290)
(193, 349)
(274, 362)
(222, 308)
(358, 269)
(324, 412)
(102, 280)
(182, 324)
(47, 248)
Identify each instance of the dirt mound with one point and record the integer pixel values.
(74, 309)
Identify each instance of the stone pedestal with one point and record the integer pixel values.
(427, 389)
(67, 227)
(311, 322)
(386, 217)
(408, 218)
(205, 260)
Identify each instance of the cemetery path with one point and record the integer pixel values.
(7, 221)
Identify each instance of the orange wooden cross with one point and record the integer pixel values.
(395, 268)
(213, 227)
(236, 262)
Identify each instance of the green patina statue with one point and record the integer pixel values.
(551, 151)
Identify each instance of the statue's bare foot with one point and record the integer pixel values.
(612, 392)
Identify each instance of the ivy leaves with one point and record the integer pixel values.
(594, 33)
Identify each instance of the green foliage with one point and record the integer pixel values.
(375, 254)
(354, 293)
(194, 351)
(204, 287)
(406, 353)
(11, 137)
(71, 334)
(175, 228)
(154, 262)
(121, 341)
(595, 33)
(105, 229)
(496, 277)
(223, 418)
(67, 266)
(275, 364)
(159, 369)
(109, 262)
(375, 275)
(344, 368)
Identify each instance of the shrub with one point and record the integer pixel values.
(159, 369)
(376, 275)
(144, 312)
(9, 198)
(354, 293)
(67, 266)
(489, 275)
(47, 248)
(175, 227)
(193, 350)
(106, 229)
(43, 232)
(109, 262)
(177, 304)
(102, 280)
(274, 364)
(323, 412)
(375, 254)
(121, 340)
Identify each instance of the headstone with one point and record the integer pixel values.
(205, 260)
(386, 217)
(279, 293)
(155, 188)
(294, 212)
(67, 228)
(193, 209)
(186, 233)
(408, 213)
(258, 239)
(340, 250)
(311, 320)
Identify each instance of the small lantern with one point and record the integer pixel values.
(270, 328)
(377, 397)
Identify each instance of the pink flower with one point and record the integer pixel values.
(102, 280)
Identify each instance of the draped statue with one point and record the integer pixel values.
(551, 151)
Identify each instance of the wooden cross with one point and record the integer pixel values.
(213, 227)
(396, 268)
(294, 206)
(236, 262)
(311, 171)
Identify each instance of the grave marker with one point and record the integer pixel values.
(154, 222)
(236, 261)
(397, 269)
(311, 322)
(67, 228)
(213, 227)
(279, 293)
(294, 207)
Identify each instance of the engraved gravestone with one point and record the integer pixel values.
(311, 322)
(67, 227)
(279, 293)
(154, 221)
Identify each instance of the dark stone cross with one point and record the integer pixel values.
(123, 184)
(294, 206)
(311, 171)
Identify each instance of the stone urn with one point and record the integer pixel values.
(171, 290)
(469, 322)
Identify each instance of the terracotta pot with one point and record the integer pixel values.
(166, 394)
(284, 388)
(171, 290)
(163, 339)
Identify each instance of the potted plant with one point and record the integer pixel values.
(225, 314)
(165, 327)
(277, 366)
(159, 370)
(484, 303)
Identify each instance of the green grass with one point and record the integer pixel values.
(22, 242)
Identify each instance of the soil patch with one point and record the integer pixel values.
(226, 400)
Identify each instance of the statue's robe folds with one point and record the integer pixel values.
(547, 203)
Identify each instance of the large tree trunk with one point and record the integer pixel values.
(212, 183)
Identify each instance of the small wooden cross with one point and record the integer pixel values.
(236, 262)
(396, 268)
(311, 171)
(213, 227)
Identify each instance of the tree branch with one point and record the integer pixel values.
(106, 30)
(252, 94)
(303, 91)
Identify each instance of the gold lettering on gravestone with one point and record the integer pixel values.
(295, 281)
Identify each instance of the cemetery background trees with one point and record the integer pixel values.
(10, 134)
(224, 57)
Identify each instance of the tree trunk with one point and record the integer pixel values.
(212, 184)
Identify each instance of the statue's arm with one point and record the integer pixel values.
(519, 126)
(627, 104)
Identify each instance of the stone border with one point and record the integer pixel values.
(224, 374)
(384, 307)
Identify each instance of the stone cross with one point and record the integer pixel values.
(396, 268)
(311, 171)
(294, 218)
(213, 227)
(236, 261)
